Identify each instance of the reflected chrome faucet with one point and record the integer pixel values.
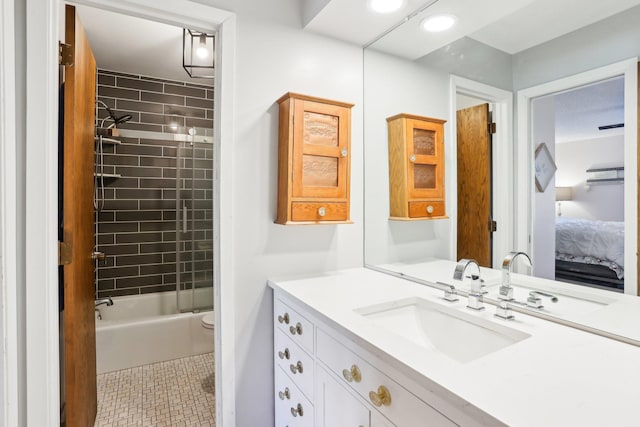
(108, 301)
(506, 291)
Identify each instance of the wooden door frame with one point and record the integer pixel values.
(525, 151)
(8, 235)
(503, 196)
(42, 29)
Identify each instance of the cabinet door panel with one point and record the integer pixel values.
(425, 148)
(292, 408)
(337, 407)
(321, 151)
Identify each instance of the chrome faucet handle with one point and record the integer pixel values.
(503, 311)
(450, 294)
(535, 301)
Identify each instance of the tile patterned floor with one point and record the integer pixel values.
(177, 393)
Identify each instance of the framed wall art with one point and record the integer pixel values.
(545, 167)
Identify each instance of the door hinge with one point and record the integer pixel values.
(64, 253)
(492, 128)
(493, 226)
(65, 54)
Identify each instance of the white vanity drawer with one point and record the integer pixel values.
(403, 408)
(298, 365)
(293, 409)
(294, 325)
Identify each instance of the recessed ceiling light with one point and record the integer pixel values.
(438, 23)
(386, 6)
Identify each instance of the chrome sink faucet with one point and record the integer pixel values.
(477, 288)
(506, 291)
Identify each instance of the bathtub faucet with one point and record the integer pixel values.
(108, 301)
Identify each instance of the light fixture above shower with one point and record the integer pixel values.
(198, 53)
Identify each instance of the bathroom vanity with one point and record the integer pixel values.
(362, 348)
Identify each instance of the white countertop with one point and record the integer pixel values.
(557, 377)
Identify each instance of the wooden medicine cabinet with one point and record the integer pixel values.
(416, 167)
(314, 160)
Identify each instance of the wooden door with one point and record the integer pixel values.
(321, 150)
(79, 321)
(474, 184)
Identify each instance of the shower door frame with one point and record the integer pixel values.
(40, 331)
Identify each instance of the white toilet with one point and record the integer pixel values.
(207, 323)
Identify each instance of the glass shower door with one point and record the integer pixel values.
(194, 223)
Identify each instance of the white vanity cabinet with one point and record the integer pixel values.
(322, 380)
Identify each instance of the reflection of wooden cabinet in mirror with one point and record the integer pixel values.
(416, 167)
(313, 160)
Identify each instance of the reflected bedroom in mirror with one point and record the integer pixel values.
(503, 88)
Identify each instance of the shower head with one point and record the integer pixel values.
(116, 120)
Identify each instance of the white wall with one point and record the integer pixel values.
(393, 85)
(274, 56)
(598, 201)
(544, 227)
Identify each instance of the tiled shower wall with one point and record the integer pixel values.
(137, 225)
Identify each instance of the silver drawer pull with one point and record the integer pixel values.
(284, 318)
(284, 394)
(297, 411)
(284, 354)
(297, 368)
(296, 329)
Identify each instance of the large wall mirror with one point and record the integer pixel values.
(540, 148)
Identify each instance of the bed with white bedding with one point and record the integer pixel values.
(590, 251)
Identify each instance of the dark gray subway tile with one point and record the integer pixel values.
(157, 161)
(157, 204)
(159, 142)
(158, 119)
(124, 193)
(185, 111)
(210, 114)
(106, 239)
(169, 215)
(169, 151)
(104, 284)
(210, 94)
(147, 248)
(139, 171)
(113, 182)
(109, 273)
(157, 269)
(138, 216)
(106, 216)
(185, 90)
(117, 73)
(137, 149)
(130, 282)
(117, 227)
(158, 226)
(138, 237)
(111, 102)
(116, 92)
(143, 107)
(119, 249)
(162, 98)
(168, 279)
(124, 260)
(198, 102)
(106, 79)
(199, 85)
(113, 159)
(169, 236)
(157, 183)
(200, 123)
(140, 84)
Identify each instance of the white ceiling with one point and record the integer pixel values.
(511, 26)
(133, 45)
(580, 111)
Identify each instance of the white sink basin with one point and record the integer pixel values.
(458, 335)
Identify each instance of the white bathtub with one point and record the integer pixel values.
(142, 329)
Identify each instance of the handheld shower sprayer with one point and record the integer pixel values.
(116, 120)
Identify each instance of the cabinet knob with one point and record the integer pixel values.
(284, 318)
(344, 152)
(412, 158)
(322, 211)
(430, 209)
(296, 329)
(297, 411)
(381, 397)
(352, 374)
(284, 394)
(284, 354)
(297, 368)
